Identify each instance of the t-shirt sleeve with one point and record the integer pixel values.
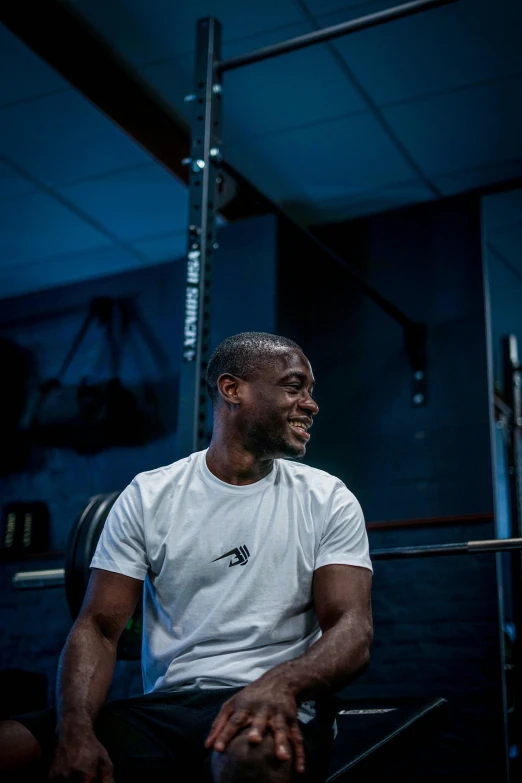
(121, 546)
(344, 539)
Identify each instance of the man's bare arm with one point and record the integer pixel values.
(85, 674)
(87, 662)
(342, 600)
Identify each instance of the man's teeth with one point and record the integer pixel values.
(298, 424)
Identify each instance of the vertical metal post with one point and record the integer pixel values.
(513, 394)
(205, 176)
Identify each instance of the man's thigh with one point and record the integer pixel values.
(162, 735)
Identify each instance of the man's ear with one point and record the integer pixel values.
(228, 386)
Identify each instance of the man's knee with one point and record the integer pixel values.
(19, 750)
(245, 760)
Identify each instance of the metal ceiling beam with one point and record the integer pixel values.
(329, 33)
(70, 45)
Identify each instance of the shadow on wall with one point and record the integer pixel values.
(89, 416)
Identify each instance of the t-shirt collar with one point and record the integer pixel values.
(233, 489)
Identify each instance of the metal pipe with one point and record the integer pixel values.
(55, 577)
(29, 580)
(433, 550)
(328, 33)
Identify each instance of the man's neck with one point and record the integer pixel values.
(232, 464)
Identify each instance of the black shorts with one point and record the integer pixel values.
(160, 736)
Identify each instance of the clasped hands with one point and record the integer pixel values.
(266, 704)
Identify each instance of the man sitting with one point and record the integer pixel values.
(256, 580)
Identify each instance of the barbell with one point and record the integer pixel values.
(87, 530)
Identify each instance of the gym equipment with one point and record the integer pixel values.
(206, 177)
(75, 574)
(85, 534)
(25, 529)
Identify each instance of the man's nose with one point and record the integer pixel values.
(309, 404)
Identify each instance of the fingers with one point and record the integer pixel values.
(287, 736)
(235, 722)
(286, 731)
(219, 723)
(296, 739)
(258, 727)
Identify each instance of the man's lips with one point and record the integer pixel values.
(300, 432)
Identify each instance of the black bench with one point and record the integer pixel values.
(396, 739)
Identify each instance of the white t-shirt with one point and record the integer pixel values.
(228, 569)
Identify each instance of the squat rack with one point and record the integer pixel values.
(205, 188)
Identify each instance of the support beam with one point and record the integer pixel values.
(329, 33)
(205, 175)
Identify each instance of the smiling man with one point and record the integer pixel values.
(256, 601)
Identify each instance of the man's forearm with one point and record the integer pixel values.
(335, 660)
(85, 674)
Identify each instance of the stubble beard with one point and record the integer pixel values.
(266, 442)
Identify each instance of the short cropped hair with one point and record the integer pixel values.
(241, 355)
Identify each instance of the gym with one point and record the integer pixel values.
(221, 223)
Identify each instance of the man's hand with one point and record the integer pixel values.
(267, 703)
(81, 758)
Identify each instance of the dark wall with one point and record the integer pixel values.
(436, 621)
(34, 624)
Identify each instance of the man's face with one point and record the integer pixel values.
(274, 403)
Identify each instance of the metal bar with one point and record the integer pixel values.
(205, 170)
(434, 550)
(29, 580)
(512, 392)
(328, 33)
(513, 567)
(56, 577)
(389, 308)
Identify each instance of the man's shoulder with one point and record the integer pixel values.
(156, 477)
(299, 471)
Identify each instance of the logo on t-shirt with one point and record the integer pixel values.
(241, 553)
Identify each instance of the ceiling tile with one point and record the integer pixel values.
(337, 159)
(459, 180)
(380, 200)
(173, 78)
(60, 139)
(38, 226)
(64, 268)
(13, 184)
(302, 87)
(28, 75)
(468, 129)
(351, 8)
(133, 203)
(146, 32)
(437, 50)
(167, 247)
